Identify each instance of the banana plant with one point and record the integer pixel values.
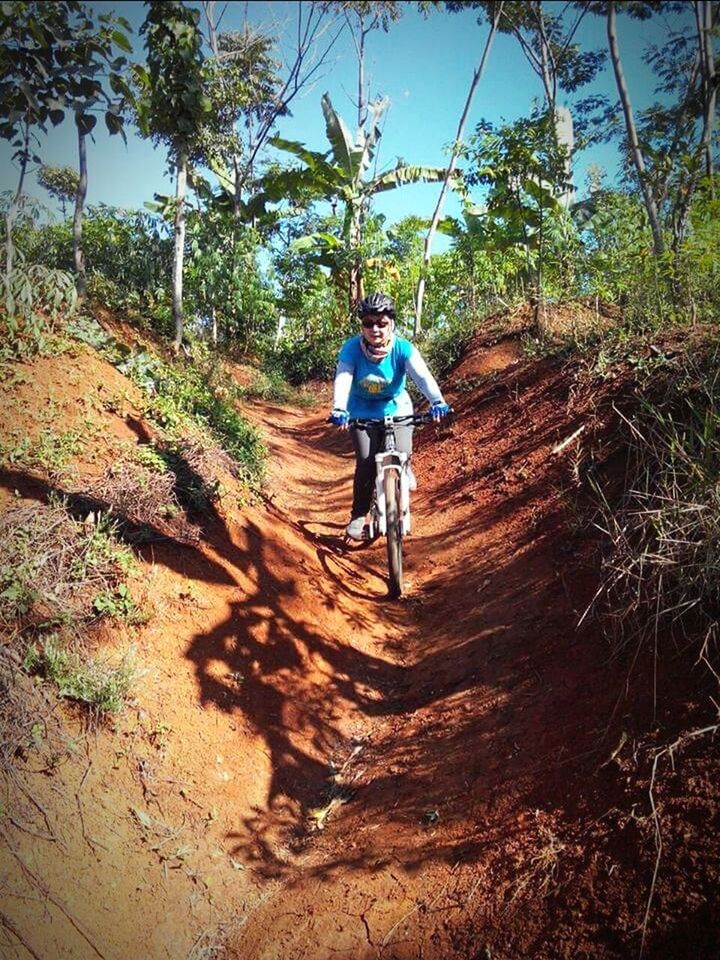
(343, 174)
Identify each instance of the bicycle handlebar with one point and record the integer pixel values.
(415, 418)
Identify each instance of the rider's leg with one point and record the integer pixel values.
(403, 442)
(366, 442)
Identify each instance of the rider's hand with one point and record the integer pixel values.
(340, 418)
(439, 410)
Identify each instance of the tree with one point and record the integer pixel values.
(362, 17)
(31, 39)
(53, 54)
(546, 35)
(669, 145)
(633, 142)
(525, 170)
(60, 182)
(255, 88)
(497, 13)
(344, 179)
(174, 109)
(91, 51)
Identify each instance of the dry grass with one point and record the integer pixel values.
(144, 496)
(661, 570)
(199, 467)
(53, 568)
(23, 710)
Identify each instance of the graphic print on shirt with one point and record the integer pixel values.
(374, 383)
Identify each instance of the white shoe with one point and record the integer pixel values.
(412, 479)
(355, 528)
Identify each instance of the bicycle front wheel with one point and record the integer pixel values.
(394, 531)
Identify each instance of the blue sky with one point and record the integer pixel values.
(423, 64)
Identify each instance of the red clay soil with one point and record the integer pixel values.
(311, 770)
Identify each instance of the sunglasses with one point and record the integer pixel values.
(382, 324)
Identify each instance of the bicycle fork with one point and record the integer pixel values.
(390, 460)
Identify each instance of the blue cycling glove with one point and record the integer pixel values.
(439, 410)
(340, 418)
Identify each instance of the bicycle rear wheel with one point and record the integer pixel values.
(394, 531)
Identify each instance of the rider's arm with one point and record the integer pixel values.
(343, 381)
(420, 374)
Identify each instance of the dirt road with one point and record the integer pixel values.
(437, 823)
(312, 771)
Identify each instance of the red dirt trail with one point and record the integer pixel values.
(350, 777)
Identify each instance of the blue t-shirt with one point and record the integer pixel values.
(378, 389)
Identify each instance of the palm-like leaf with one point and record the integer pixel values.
(402, 175)
(316, 241)
(311, 157)
(346, 154)
(369, 140)
(292, 183)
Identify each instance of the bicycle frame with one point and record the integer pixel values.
(390, 510)
(387, 460)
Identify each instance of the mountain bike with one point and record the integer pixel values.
(390, 507)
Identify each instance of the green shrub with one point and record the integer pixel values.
(443, 346)
(268, 385)
(307, 353)
(95, 683)
(50, 452)
(198, 395)
(33, 301)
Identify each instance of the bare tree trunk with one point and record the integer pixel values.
(12, 211)
(635, 151)
(420, 296)
(362, 109)
(704, 13)
(79, 257)
(681, 213)
(177, 277)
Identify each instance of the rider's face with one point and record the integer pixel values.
(376, 328)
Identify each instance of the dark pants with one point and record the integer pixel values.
(367, 441)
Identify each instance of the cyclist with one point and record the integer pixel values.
(370, 385)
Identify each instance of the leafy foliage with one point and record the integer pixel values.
(175, 104)
(197, 396)
(344, 178)
(35, 299)
(60, 182)
(99, 685)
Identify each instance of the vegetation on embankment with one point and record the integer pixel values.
(63, 565)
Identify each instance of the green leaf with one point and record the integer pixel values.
(377, 108)
(319, 240)
(113, 123)
(345, 153)
(449, 226)
(85, 123)
(310, 157)
(405, 174)
(541, 194)
(121, 41)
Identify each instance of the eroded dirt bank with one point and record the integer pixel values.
(457, 748)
